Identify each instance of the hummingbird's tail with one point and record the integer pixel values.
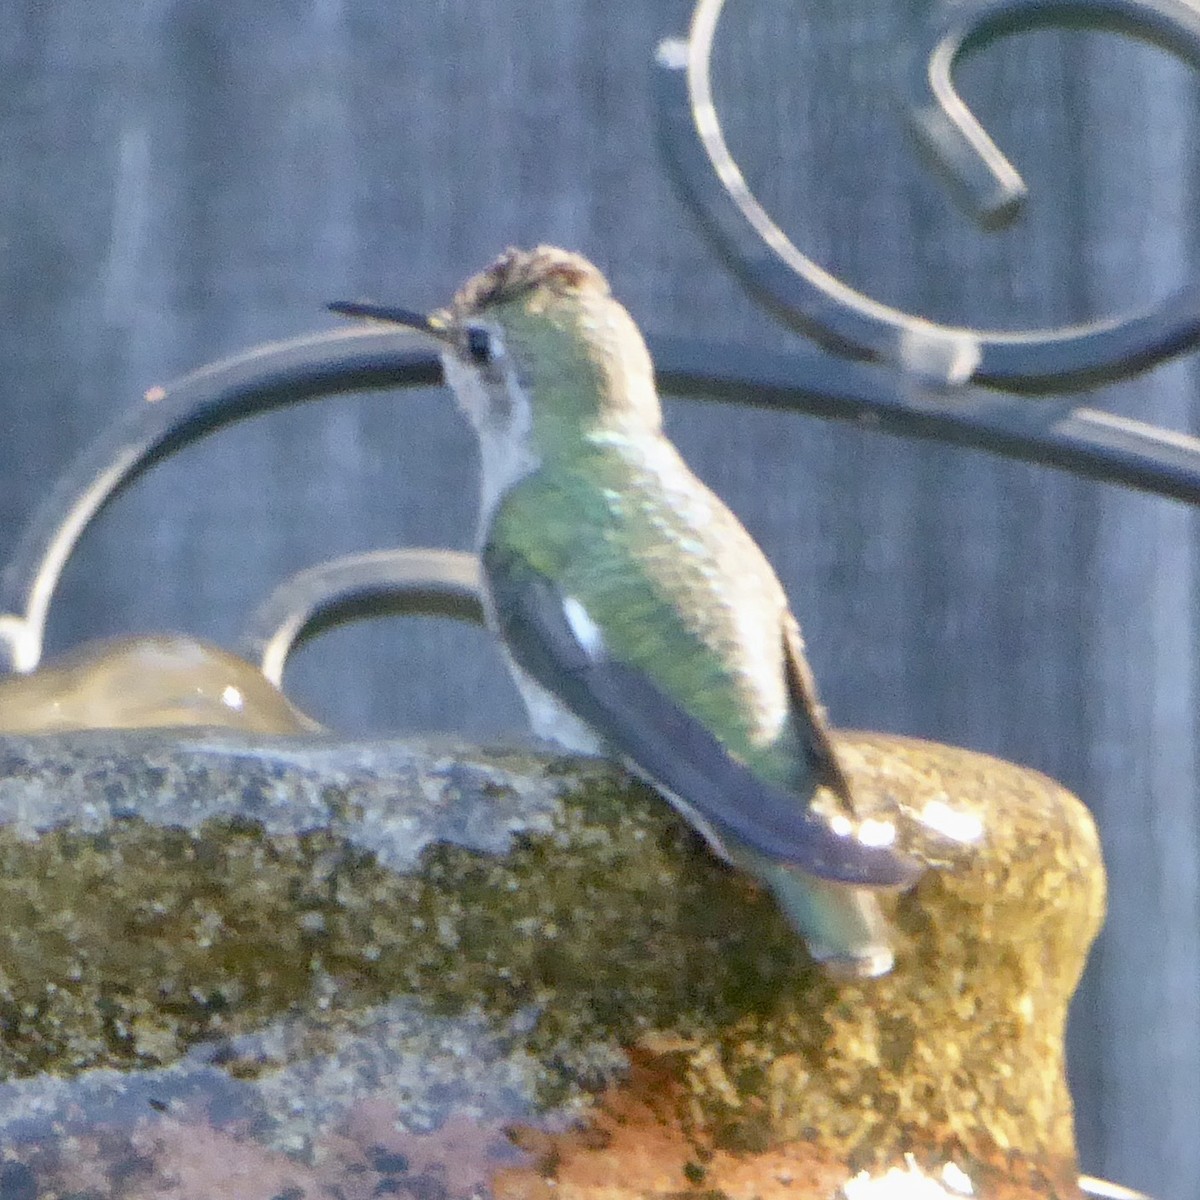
(842, 926)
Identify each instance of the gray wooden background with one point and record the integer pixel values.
(183, 179)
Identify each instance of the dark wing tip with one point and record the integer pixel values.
(844, 858)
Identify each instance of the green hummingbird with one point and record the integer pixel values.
(637, 615)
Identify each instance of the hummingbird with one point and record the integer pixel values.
(637, 615)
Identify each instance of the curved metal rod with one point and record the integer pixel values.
(444, 583)
(170, 417)
(836, 314)
(1056, 433)
(953, 134)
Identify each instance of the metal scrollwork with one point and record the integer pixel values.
(443, 583)
(168, 418)
(887, 393)
(853, 323)
(1053, 432)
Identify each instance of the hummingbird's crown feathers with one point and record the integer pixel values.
(516, 272)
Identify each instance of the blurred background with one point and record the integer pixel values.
(183, 180)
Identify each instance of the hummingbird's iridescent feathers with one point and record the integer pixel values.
(656, 651)
(627, 595)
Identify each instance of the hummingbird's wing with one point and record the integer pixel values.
(553, 639)
(808, 717)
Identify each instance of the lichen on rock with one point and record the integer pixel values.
(283, 934)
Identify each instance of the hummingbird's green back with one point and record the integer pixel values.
(678, 587)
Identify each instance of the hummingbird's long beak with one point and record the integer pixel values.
(396, 316)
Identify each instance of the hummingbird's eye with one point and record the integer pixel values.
(483, 346)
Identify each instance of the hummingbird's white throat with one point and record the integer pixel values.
(501, 413)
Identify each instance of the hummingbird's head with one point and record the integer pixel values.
(537, 351)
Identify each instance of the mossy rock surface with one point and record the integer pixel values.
(312, 952)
